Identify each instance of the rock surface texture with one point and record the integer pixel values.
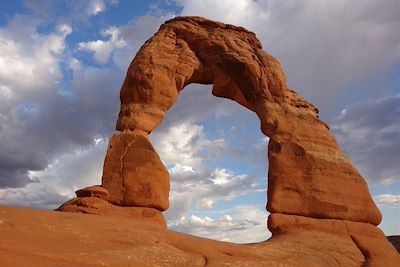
(322, 213)
(133, 172)
(98, 206)
(94, 191)
(37, 238)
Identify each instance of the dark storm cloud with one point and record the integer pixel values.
(14, 177)
(56, 123)
(65, 105)
(369, 133)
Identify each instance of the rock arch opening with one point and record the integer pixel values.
(216, 158)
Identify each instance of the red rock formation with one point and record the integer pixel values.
(315, 195)
(363, 241)
(308, 175)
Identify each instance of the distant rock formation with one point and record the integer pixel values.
(395, 240)
(313, 189)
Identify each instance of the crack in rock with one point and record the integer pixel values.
(121, 170)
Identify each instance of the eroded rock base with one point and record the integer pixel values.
(95, 200)
(355, 242)
(98, 206)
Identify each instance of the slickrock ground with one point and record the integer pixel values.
(42, 238)
(322, 213)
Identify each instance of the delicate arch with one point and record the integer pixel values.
(308, 175)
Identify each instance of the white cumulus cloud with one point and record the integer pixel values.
(95, 7)
(240, 224)
(388, 200)
(185, 149)
(102, 50)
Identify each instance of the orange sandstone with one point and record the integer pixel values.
(308, 174)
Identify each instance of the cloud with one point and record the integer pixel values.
(83, 10)
(71, 10)
(29, 60)
(58, 181)
(32, 196)
(34, 133)
(324, 48)
(369, 133)
(239, 12)
(51, 103)
(135, 33)
(206, 203)
(388, 200)
(40, 7)
(95, 7)
(195, 159)
(196, 103)
(184, 149)
(29, 71)
(103, 50)
(124, 41)
(240, 224)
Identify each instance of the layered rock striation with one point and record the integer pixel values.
(313, 189)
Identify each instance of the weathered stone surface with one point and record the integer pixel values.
(44, 238)
(97, 206)
(133, 172)
(363, 241)
(94, 191)
(308, 174)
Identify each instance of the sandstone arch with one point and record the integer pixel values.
(308, 175)
(321, 211)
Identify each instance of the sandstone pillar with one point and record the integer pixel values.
(133, 173)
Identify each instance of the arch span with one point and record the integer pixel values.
(308, 175)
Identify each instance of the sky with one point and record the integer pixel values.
(62, 64)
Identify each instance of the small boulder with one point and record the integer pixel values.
(94, 191)
(98, 206)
